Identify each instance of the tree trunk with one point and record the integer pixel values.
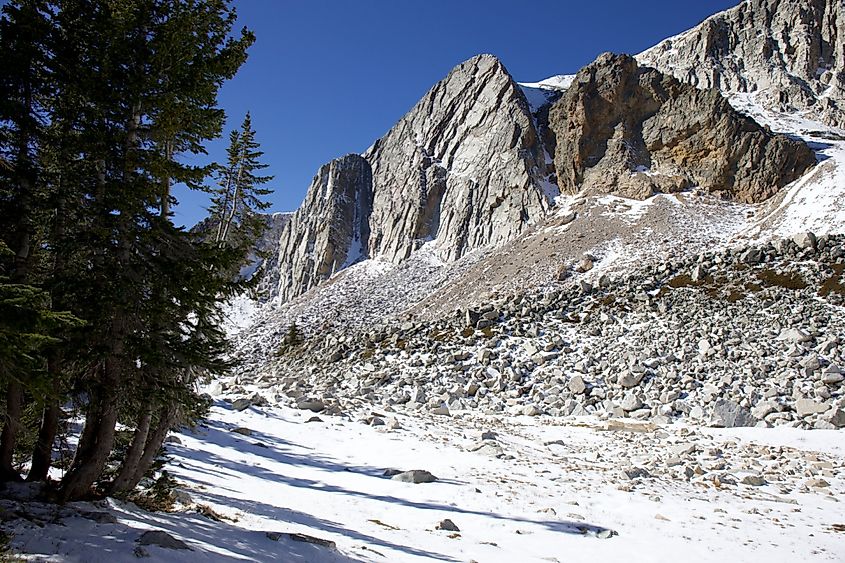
(42, 453)
(97, 438)
(14, 403)
(129, 467)
(234, 197)
(167, 418)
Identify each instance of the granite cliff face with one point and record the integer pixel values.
(328, 232)
(469, 165)
(463, 168)
(634, 132)
(789, 53)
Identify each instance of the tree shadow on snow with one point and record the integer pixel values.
(271, 451)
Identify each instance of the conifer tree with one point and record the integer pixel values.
(238, 199)
(101, 103)
(24, 96)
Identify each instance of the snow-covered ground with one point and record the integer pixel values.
(579, 489)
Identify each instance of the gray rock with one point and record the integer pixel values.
(99, 517)
(313, 405)
(634, 473)
(805, 241)
(807, 407)
(242, 431)
(241, 404)
(442, 409)
(794, 335)
(744, 49)
(753, 480)
(531, 410)
(752, 256)
(728, 414)
(576, 385)
(161, 539)
(415, 476)
(836, 417)
(631, 402)
(763, 409)
(631, 379)
(447, 525)
(491, 449)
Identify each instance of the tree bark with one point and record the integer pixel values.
(97, 438)
(166, 420)
(129, 466)
(42, 452)
(234, 197)
(14, 403)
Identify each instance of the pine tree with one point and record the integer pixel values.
(151, 286)
(100, 104)
(24, 95)
(238, 199)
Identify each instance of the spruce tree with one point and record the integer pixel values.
(24, 98)
(100, 104)
(238, 199)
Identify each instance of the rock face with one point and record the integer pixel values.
(634, 131)
(328, 232)
(463, 167)
(789, 53)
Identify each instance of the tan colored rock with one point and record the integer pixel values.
(634, 131)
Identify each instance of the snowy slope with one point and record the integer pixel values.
(558, 491)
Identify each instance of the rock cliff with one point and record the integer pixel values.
(789, 53)
(464, 167)
(327, 233)
(634, 132)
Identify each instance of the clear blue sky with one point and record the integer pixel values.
(328, 77)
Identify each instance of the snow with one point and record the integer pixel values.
(239, 313)
(538, 94)
(557, 82)
(814, 202)
(325, 480)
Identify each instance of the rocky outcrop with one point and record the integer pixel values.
(789, 53)
(634, 132)
(463, 168)
(328, 232)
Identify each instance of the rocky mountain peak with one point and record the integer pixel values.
(789, 54)
(634, 131)
(464, 168)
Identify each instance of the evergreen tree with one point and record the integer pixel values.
(24, 97)
(238, 198)
(99, 104)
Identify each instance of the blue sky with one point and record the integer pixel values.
(328, 77)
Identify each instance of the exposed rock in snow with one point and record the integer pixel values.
(790, 54)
